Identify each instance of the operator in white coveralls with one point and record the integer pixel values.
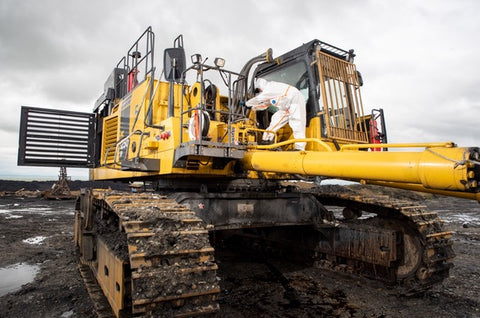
(288, 104)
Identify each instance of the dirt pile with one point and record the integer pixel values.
(16, 185)
(37, 189)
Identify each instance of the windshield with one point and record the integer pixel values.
(294, 74)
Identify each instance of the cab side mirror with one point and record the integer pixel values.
(174, 63)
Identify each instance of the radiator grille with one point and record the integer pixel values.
(109, 139)
(55, 138)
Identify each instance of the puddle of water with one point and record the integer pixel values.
(37, 240)
(461, 218)
(13, 216)
(40, 207)
(14, 276)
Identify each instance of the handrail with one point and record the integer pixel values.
(448, 144)
(149, 79)
(291, 141)
(115, 162)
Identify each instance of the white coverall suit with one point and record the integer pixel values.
(290, 104)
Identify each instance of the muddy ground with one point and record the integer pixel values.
(39, 232)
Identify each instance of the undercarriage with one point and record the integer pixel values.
(153, 254)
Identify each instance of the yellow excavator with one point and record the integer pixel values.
(215, 181)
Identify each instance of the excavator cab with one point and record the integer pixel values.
(330, 83)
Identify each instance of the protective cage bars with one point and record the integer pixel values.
(341, 99)
(56, 138)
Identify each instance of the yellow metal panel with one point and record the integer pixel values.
(160, 101)
(104, 173)
(110, 277)
(152, 145)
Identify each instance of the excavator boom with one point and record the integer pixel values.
(449, 169)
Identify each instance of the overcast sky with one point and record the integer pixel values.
(420, 60)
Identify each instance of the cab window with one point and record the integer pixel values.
(294, 74)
